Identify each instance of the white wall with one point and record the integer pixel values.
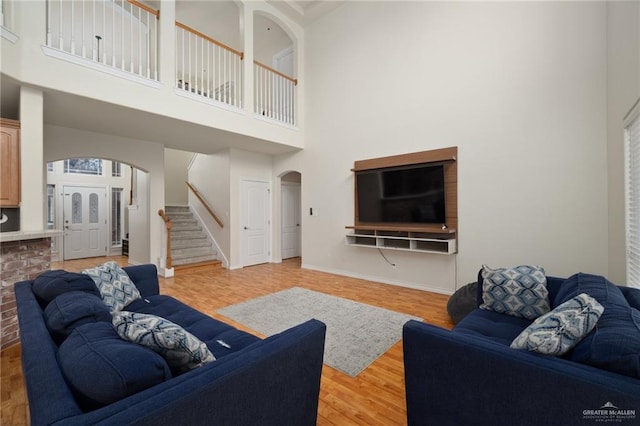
(176, 173)
(623, 88)
(32, 182)
(141, 216)
(210, 174)
(218, 19)
(519, 88)
(145, 226)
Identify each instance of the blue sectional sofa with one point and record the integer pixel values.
(471, 376)
(91, 377)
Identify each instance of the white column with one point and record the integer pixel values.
(32, 207)
(167, 45)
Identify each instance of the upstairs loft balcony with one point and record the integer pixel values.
(128, 38)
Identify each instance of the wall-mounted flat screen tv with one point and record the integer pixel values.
(403, 195)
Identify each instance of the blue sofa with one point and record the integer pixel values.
(471, 376)
(275, 381)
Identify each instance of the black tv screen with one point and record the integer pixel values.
(405, 194)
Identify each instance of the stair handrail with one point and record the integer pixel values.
(210, 39)
(168, 225)
(276, 72)
(205, 204)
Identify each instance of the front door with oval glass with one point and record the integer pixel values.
(85, 222)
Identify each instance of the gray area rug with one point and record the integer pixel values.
(357, 334)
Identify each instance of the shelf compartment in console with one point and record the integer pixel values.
(395, 243)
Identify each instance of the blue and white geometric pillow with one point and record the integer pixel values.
(556, 332)
(115, 286)
(520, 291)
(181, 349)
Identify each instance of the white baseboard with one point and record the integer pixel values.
(351, 274)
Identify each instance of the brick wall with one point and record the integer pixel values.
(19, 261)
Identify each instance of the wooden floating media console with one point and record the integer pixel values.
(431, 235)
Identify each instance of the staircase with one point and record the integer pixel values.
(190, 245)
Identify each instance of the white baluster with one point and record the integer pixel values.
(131, 65)
(183, 79)
(155, 48)
(104, 33)
(49, 38)
(93, 30)
(292, 102)
(225, 65)
(234, 79)
(208, 69)
(256, 89)
(73, 35)
(217, 75)
(285, 97)
(190, 83)
(147, 47)
(203, 66)
(260, 90)
(195, 58)
(139, 41)
(241, 85)
(113, 34)
(265, 94)
(256, 97)
(122, 57)
(279, 95)
(287, 105)
(83, 48)
(269, 91)
(60, 33)
(177, 57)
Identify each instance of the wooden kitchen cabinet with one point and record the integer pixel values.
(9, 163)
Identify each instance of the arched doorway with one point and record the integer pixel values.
(291, 220)
(88, 199)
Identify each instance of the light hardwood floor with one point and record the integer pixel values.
(374, 397)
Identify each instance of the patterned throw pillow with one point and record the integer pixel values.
(115, 286)
(181, 349)
(556, 332)
(520, 291)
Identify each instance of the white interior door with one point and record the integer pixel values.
(85, 222)
(290, 220)
(254, 218)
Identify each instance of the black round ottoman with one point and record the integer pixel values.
(462, 302)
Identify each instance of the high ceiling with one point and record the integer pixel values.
(305, 12)
(68, 110)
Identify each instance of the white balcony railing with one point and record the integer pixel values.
(274, 94)
(208, 68)
(121, 34)
(124, 35)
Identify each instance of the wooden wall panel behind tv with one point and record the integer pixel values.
(446, 156)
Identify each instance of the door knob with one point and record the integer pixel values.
(246, 227)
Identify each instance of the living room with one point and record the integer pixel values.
(532, 94)
(542, 99)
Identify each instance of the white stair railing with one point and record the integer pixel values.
(207, 67)
(274, 94)
(120, 34)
